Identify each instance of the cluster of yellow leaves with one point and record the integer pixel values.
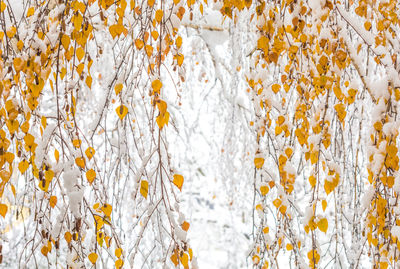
(181, 257)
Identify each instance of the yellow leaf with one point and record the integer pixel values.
(154, 34)
(77, 21)
(80, 162)
(93, 257)
(100, 238)
(185, 226)
(79, 68)
(90, 175)
(324, 205)
(185, 260)
(367, 25)
(259, 162)
(90, 152)
(48, 175)
(162, 119)
(341, 111)
(121, 111)
(30, 12)
(149, 50)
(89, 81)
(264, 190)
(275, 88)
(277, 202)
(256, 259)
(80, 53)
(116, 30)
(178, 42)
(13, 190)
(144, 188)
(178, 181)
(3, 210)
(65, 40)
(18, 64)
(156, 85)
(312, 180)
(68, 237)
(53, 201)
(323, 225)
(29, 140)
(11, 31)
(174, 259)
(150, 3)
(119, 263)
(118, 88)
(162, 107)
(118, 252)
(159, 15)
(44, 250)
(22, 166)
(76, 143)
(2, 6)
(139, 44)
(289, 247)
(56, 155)
(107, 209)
(179, 58)
(262, 43)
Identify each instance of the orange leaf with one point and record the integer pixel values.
(178, 181)
(44, 250)
(119, 263)
(185, 226)
(90, 152)
(323, 225)
(118, 88)
(107, 209)
(93, 257)
(90, 175)
(118, 252)
(53, 201)
(3, 210)
(80, 162)
(144, 188)
(30, 12)
(139, 44)
(23, 166)
(259, 162)
(121, 111)
(159, 15)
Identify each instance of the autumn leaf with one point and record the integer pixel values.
(118, 88)
(80, 162)
(53, 201)
(144, 188)
(107, 209)
(3, 210)
(118, 252)
(323, 225)
(23, 166)
(264, 190)
(121, 111)
(119, 263)
(93, 257)
(90, 152)
(178, 181)
(258, 162)
(185, 226)
(90, 175)
(341, 112)
(156, 85)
